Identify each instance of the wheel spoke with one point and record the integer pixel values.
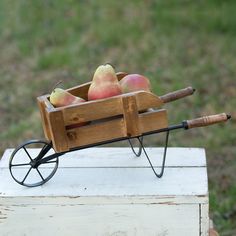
(26, 175)
(26, 164)
(28, 154)
(40, 174)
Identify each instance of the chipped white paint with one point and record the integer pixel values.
(204, 220)
(108, 191)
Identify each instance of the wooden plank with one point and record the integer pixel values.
(147, 100)
(105, 200)
(112, 182)
(123, 157)
(42, 110)
(131, 118)
(132, 220)
(96, 132)
(80, 90)
(92, 110)
(108, 107)
(153, 120)
(124, 198)
(111, 171)
(204, 219)
(58, 131)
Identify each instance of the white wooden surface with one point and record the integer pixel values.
(109, 191)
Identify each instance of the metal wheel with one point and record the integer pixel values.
(33, 163)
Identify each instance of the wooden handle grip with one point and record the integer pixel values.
(169, 97)
(207, 120)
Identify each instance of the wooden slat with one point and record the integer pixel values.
(104, 108)
(121, 75)
(153, 120)
(92, 110)
(147, 100)
(120, 157)
(177, 182)
(58, 131)
(130, 116)
(114, 194)
(204, 219)
(47, 102)
(107, 220)
(80, 90)
(44, 118)
(96, 132)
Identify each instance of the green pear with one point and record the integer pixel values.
(104, 84)
(60, 97)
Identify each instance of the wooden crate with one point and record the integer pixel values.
(109, 191)
(125, 115)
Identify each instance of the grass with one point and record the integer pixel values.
(175, 43)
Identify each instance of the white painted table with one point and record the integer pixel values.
(109, 191)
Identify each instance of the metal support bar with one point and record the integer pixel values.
(173, 127)
(137, 154)
(164, 156)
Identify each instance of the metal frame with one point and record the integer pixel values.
(42, 157)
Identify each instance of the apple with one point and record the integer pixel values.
(135, 82)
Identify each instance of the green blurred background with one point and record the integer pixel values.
(176, 43)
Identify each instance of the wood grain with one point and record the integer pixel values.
(77, 120)
(58, 131)
(169, 97)
(153, 120)
(112, 190)
(92, 110)
(96, 132)
(44, 117)
(131, 118)
(206, 120)
(147, 100)
(80, 90)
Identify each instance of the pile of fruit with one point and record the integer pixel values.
(104, 84)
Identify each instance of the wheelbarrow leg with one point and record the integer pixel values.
(159, 175)
(137, 154)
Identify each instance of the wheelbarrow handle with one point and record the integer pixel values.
(206, 120)
(172, 96)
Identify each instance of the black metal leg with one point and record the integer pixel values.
(159, 175)
(137, 154)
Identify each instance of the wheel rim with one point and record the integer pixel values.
(22, 164)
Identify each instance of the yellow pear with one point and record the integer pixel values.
(60, 97)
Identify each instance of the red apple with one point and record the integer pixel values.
(135, 82)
